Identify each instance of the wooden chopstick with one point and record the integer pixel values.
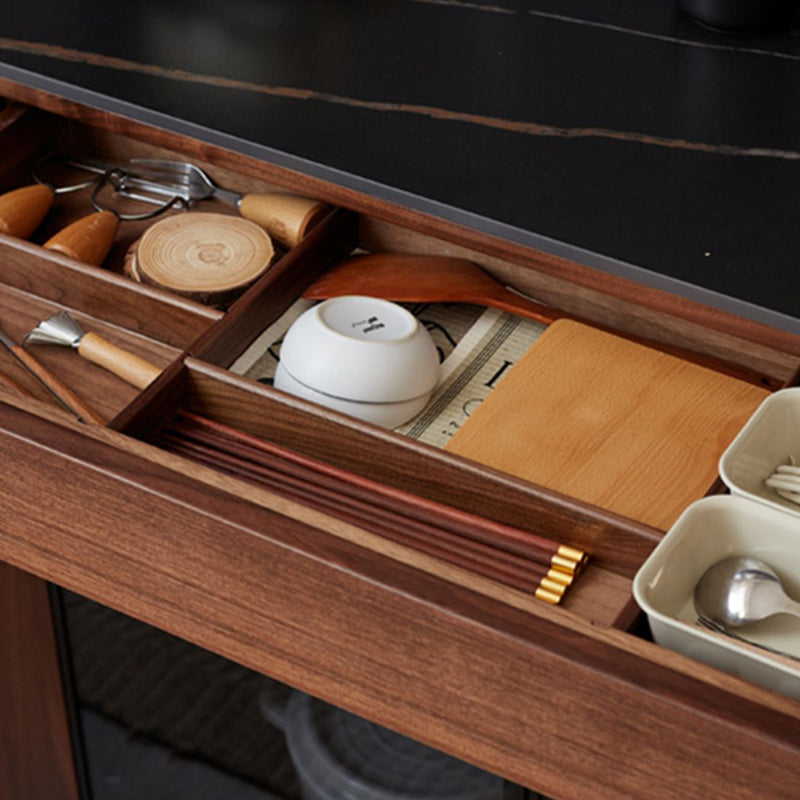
(433, 528)
(496, 534)
(11, 385)
(395, 526)
(526, 578)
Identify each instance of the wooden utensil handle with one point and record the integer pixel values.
(506, 300)
(21, 210)
(131, 368)
(60, 390)
(285, 217)
(88, 239)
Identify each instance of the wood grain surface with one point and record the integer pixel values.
(210, 258)
(557, 699)
(599, 284)
(564, 707)
(605, 599)
(609, 421)
(103, 294)
(37, 759)
(613, 542)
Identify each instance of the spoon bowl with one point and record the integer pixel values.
(740, 591)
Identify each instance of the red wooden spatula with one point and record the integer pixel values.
(423, 279)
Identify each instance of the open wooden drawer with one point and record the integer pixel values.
(572, 700)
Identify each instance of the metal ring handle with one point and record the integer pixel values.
(57, 189)
(116, 178)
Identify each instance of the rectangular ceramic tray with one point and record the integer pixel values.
(769, 439)
(708, 531)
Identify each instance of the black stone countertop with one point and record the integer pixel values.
(615, 132)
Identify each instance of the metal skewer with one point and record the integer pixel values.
(59, 390)
(8, 383)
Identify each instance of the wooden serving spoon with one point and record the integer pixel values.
(446, 279)
(423, 279)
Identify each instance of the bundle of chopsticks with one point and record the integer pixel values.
(508, 555)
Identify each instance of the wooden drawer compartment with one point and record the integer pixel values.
(36, 282)
(538, 694)
(602, 595)
(572, 701)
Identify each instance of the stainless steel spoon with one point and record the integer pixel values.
(739, 591)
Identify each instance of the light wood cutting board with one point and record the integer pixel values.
(609, 421)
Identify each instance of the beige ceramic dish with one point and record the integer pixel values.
(770, 436)
(709, 530)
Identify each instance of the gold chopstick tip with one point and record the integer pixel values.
(571, 553)
(560, 576)
(546, 596)
(564, 564)
(552, 586)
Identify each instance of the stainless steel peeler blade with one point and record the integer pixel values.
(60, 329)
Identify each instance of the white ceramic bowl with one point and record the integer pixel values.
(363, 349)
(387, 415)
(770, 435)
(709, 530)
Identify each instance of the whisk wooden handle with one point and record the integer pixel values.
(21, 210)
(131, 368)
(285, 217)
(88, 239)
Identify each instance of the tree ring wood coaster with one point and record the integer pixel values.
(210, 258)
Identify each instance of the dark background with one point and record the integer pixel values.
(618, 127)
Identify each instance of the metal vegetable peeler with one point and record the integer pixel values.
(287, 218)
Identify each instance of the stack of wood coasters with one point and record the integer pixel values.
(209, 258)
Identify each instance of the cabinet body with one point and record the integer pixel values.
(572, 701)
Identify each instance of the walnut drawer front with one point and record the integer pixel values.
(572, 701)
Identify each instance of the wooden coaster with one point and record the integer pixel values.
(210, 258)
